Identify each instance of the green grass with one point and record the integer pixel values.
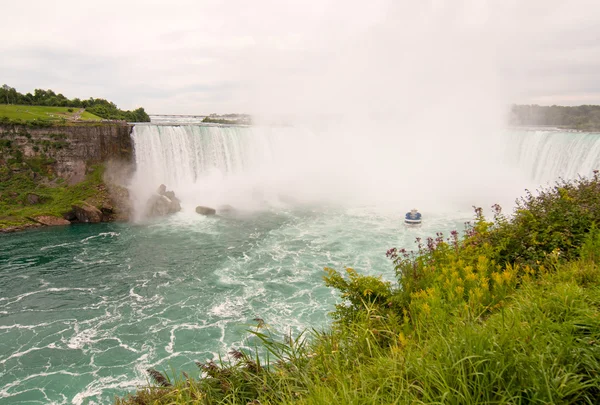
(28, 113)
(87, 116)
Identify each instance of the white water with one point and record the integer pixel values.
(544, 156)
(254, 168)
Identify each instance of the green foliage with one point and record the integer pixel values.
(95, 107)
(554, 219)
(56, 198)
(228, 119)
(38, 116)
(583, 117)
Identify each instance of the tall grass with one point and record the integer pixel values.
(477, 319)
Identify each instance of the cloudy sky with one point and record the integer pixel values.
(203, 56)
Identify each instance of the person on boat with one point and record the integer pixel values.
(413, 215)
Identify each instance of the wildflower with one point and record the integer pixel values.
(402, 340)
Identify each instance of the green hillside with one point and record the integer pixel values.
(31, 112)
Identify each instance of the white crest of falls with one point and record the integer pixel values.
(212, 165)
(258, 166)
(544, 156)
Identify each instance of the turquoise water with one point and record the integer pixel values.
(85, 309)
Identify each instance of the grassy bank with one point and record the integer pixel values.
(509, 312)
(25, 113)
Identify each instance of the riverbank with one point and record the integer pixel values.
(57, 174)
(508, 313)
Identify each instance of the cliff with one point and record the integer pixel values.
(54, 171)
(72, 148)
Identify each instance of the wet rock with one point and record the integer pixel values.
(160, 205)
(50, 220)
(163, 203)
(70, 216)
(33, 199)
(18, 228)
(87, 213)
(205, 210)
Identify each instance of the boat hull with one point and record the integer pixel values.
(412, 222)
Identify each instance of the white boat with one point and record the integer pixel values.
(413, 217)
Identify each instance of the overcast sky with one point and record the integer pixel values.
(203, 56)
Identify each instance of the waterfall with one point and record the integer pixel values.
(215, 165)
(265, 166)
(544, 156)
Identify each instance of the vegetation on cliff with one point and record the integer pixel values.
(31, 186)
(228, 119)
(507, 313)
(48, 98)
(33, 191)
(583, 117)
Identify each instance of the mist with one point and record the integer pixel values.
(405, 106)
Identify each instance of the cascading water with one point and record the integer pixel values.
(547, 155)
(213, 165)
(257, 167)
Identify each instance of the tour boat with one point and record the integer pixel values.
(413, 217)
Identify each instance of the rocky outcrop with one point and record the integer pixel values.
(34, 160)
(50, 221)
(205, 210)
(87, 213)
(33, 199)
(162, 203)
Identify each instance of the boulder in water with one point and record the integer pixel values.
(163, 203)
(205, 210)
(87, 213)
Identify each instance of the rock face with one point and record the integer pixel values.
(33, 199)
(50, 221)
(87, 213)
(162, 203)
(73, 148)
(205, 210)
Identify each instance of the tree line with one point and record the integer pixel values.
(97, 106)
(583, 117)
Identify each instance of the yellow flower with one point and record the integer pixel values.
(402, 340)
